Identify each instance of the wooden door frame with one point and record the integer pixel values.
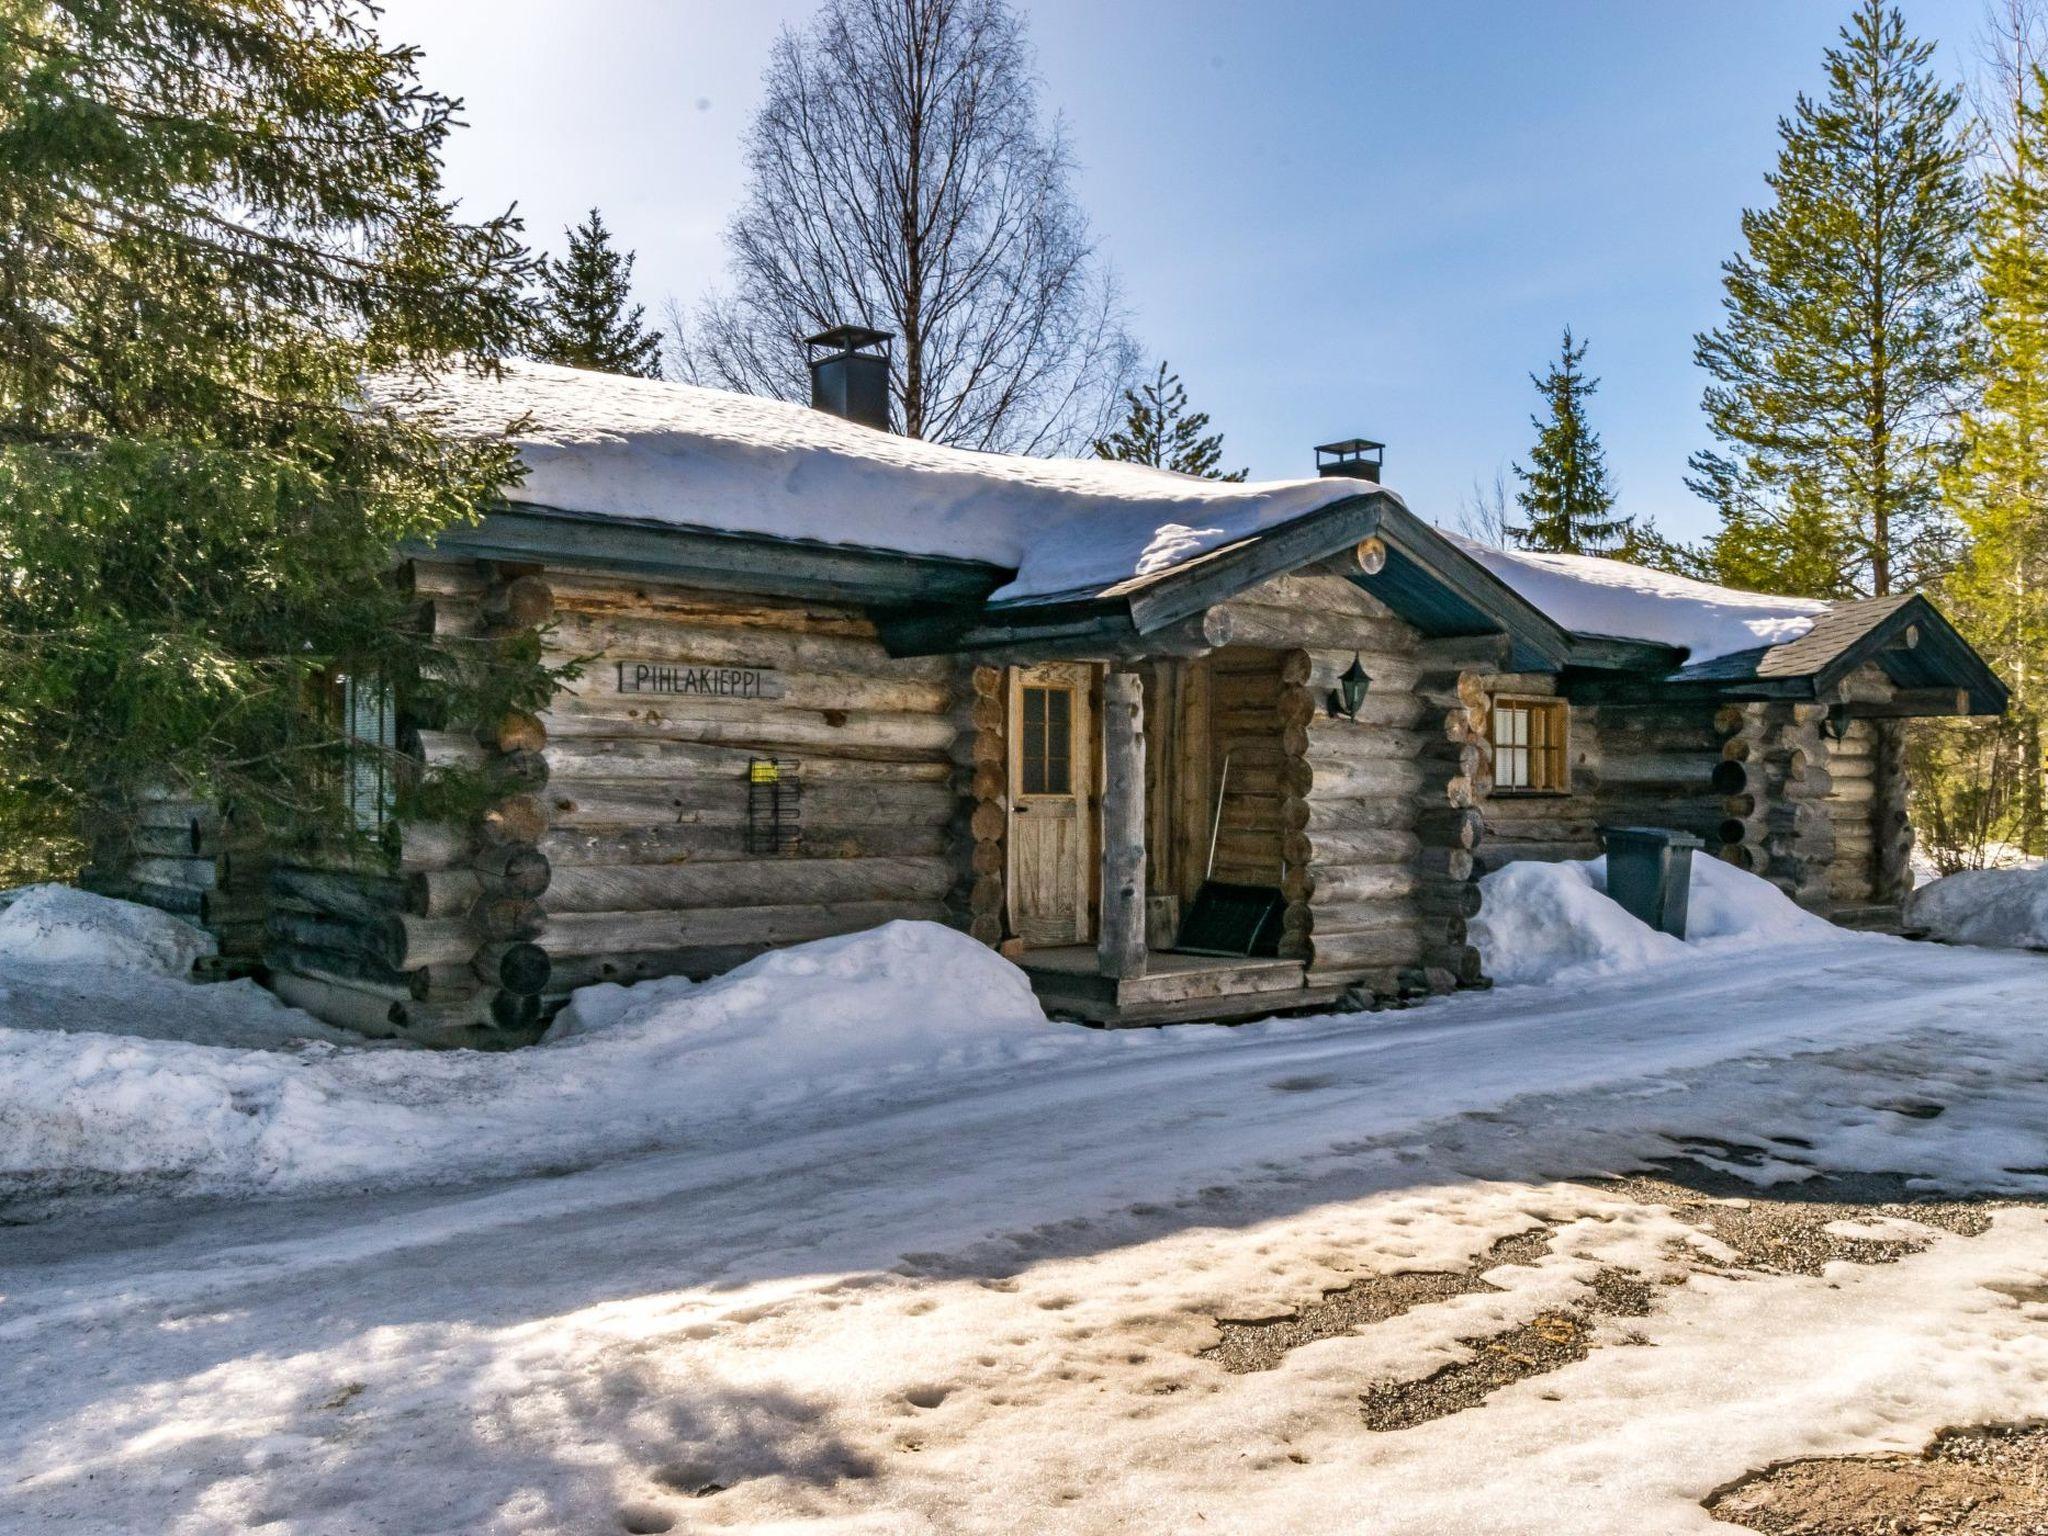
(1087, 767)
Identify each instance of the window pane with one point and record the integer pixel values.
(1032, 756)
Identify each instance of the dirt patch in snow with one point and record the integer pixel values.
(1798, 1229)
(1259, 1344)
(1547, 1342)
(1787, 1229)
(1968, 1482)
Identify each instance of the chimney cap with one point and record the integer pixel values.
(1355, 458)
(849, 338)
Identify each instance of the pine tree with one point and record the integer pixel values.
(1999, 592)
(218, 219)
(1845, 338)
(588, 317)
(1567, 499)
(1160, 430)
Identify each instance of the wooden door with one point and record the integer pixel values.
(1052, 803)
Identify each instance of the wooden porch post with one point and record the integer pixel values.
(1120, 946)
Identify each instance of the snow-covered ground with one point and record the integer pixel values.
(922, 1261)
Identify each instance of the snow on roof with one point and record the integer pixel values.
(1591, 595)
(619, 447)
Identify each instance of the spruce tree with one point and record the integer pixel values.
(216, 219)
(1160, 430)
(1567, 498)
(1845, 337)
(588, 317)
(1998, 593)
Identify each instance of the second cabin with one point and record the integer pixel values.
(1182, 748)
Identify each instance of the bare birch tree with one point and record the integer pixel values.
(901, 177)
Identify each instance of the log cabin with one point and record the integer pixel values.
(1183, 749)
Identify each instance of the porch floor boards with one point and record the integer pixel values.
(1174, 989)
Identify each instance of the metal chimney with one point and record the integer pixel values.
(850, 373)
(1356, 458)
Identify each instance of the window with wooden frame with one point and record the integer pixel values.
(1529, 741)
(365, 716)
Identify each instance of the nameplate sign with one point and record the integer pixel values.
(696, 681)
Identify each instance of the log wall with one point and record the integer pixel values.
(437, 941)
(647, 794)
(191, 859)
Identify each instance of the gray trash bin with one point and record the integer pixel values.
(1649, 872)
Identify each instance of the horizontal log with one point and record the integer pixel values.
(193, 874)
(339, 935)
(1658, 767)
(359, 897)
(1301, 627)
(1329, 812)
(1341, 776)
(1341, 884)
(1329, 920)
(765, 882)
(605, 686)
(572, 971)
(333, 1002)
(1386, 947)
(625, 761)
(579, 804)
(586, 933)
(339, 967)
(848, 731)
(768, 643)
(1362, 845)
(1495, 856)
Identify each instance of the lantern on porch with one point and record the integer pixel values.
(1349, 693)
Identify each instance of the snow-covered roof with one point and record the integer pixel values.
(601, 444)
(1591, 595)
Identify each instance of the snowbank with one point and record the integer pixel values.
(868, 1018)
(2002, 908)
(1554, 922)
(676, 453)
(1594, 596)
(58, 925)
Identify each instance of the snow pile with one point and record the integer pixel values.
(2001, 908)
(1594, 596)
(834, 1016)
(676, 453)
(1555, 922)
(870, 1018)
(59, 925)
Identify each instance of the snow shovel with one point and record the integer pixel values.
(1227, 920)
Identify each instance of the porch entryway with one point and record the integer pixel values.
(1130, 784)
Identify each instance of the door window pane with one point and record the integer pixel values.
(1047, 747)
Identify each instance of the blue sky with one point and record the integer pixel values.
(1334, 219)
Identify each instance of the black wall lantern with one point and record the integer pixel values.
(1350, 690)
(1835, 724)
